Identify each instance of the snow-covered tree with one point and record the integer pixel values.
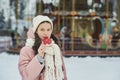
(2, 22)
(18, 7)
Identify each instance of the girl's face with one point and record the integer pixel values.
(44, 30)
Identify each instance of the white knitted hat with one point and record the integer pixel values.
(39, 19)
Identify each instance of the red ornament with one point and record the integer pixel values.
(46, 40)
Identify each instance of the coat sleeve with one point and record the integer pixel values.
(28, 65)
(64, 69)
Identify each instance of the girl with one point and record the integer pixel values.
(40, 58)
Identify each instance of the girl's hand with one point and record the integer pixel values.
(41, 50)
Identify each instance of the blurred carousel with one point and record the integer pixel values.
(102, 34)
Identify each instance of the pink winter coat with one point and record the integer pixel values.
(29, 67)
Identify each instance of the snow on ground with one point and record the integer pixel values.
(9, 67)
(78, 68)
(93, 68)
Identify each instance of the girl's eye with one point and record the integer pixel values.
(42, 29)
(45, 30)
(48, 30)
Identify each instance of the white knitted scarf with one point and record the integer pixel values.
(53, 61)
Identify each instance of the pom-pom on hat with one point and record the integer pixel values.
(39, 19)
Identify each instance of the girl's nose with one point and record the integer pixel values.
(45, 32)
